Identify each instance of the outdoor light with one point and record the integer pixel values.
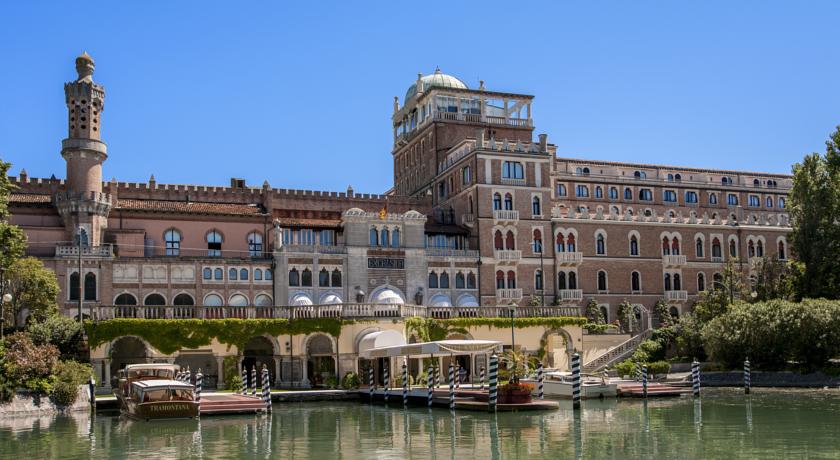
(7, 298)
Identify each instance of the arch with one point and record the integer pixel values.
(444, 280)
(508, 202)
(440, 300)
(154, 299)
(90, 286)
(433, 280)
(387, 294)
(635, 281)
(460, 280)
(263, 300)
(466, 300)
(510, 240)
(701, 282)
(300, 299)
(238, 300)
(602, 280)
(633, 238)
(125, 299)
(336, 278)
(183, 299)
(781, 248)
(572, 280)
(569, 346)
(699, 245)
(213, 300)
(561, 280)
(498, 240)
(127, 350)
(260, 351)
(471, 280)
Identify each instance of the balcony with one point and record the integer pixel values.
(569, 258)
(507, 255)
(511, 181)
(505, 215)
(570, 295)
(468, 220)
(87, 251)
(508, 295)
(673, 261)
(312, 249)
(676, 296)
(446, 252)
(717, 259)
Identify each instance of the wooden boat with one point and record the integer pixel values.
(150, 391)
(559, 385)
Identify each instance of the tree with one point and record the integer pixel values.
(663, 313)
(12, 239)
(730, 288)
(63, 332)
(814, 203)
(33, 287)
(773, 279)
(593, 312)
(626, 316)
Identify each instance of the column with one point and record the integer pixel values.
(220, 364)
(278, 366)
(106, 382)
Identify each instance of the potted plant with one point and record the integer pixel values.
(515, 393)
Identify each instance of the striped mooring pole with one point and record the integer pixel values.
(243, 387)
(430, 381)
(747, 376)
(254, 381)
(266, 388)
(199, 382)
(481, 378)
(638, 376)
(451, 386)
(576, 381)
(644, 381)
(540, 379)
(457, 376)
(405, 384)
(695, 378)
(493, 381)
(387, 379)
(371, 387)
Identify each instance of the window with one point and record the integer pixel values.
(125, 299)
(667, 281)
(497, 201)
(218, 274)
(500, 279)
(732, 199)
(677, 177)
(90, 287)
(512, 170)
(716, 250)
(559, 243)
(536, 209)
(207, 273)
(572, 280)
(600, 245)
(781, 254)
(634, 246)
(733, 249)
(384, 238)
(561, 189)
(232, 274)
(645, 194)
(326, 237)
(670, 196)
(262, 300)
(755, 201)
(294, 277)
(635, 282)
(213, 300)
(498, 243)
(582, 191)
(538, 280)
(698, 248)
(238, 300)
(691, 197)
(395, 238)
(510, 241)
(613, 193)
(442, 189)
(258, 274)
(466, 175)
(701, 282)
(561, 280)
(471, 280)
(374, 237)
(666, 246)
(781, 202)
(675, 246)
(433, 280)
(677, 282)
(570, 243)
(670, 177)
(726, 180)
(183, 299)
(511, 280)
(713, 198)
(459, 280)
(628, 194)
(81, 235)
(508, 202)
(599, 192)
(537, 246)
(154, 300)
(602, 280)
(306, 277)
(768, 202)
(756, 183)
(336, 278)
(243, 274)
(640, 175)
(269, 274)
(323, 278)
(255, 244)
(214, 244)
(172, 238)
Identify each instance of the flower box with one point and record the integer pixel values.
(515, 393)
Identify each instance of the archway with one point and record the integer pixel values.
(559, 348)
(320, 359)
(258, 351)
(464, 364)
(200, 360)
(127, 350)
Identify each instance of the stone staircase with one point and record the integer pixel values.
(617, 353)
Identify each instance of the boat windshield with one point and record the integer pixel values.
(167, 394)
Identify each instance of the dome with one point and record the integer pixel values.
(435, 80)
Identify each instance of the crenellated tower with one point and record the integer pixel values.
(82, 203)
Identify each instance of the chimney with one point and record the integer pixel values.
(543, 143)
(23, 176)
(237, 183)
(350, 191)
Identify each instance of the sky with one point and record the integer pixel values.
(301, 93)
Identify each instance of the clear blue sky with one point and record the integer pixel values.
(300, 93)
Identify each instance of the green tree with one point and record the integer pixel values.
(626, 316)
(33, 287)
(730, 288)
(814, 203)
(12, 239)
(773, 279)
(593, 312)
(63, 332)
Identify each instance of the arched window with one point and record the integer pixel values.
(599, 192)
(733, 249)
(537, 241)
(213, 300)
(471, 205)
(782, 202)
(635, 282)
(561, 280)
(510, 241)
(701, 282)
(600, 245)
(207, 273)
(218, 274)
(214, 244)
(602, 280)
(255, 244)
(500, 279)
(538, 280)
(183, 299)
(511, 280)
(750, 249)
(444, 280)
(667, 281)
(269, 275)
(759, 248)
(258, 274)
(306, 277)
(508, 201)
(497, 201)
(536, 209)
(294, 277)
(613, 193)
(154, 300)
(74, 286)
(572, 280)
(238, 300)
(470, 280)
(395, 238)
(670, 177)
(713, 198)
(634, 245)
(782, 255)
(561, 190)
(560, 246)
(243, 274)
(323, 278)
(125, 299)
(605, 314)
(698, 248)
(628, 194)
(374, 237)
(262, 300)
(433, 280)
(717, 280)
(666, 246)
(459, 281)
(90, 286)
(498, 242)
(675, 246)
(768, 202)
(81, 235)
(384, 238)
(172, 239)
(677, 177)
(677, 282)
(232, 274)
(336, 278)
(716, 250)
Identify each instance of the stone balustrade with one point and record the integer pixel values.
(569, 258)
(673, 260)
(505, 215)
(87, 251)
(507, 255)
(676, 296)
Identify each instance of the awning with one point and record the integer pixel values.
(467, 300)
(380, 339)
(301, 300)
(440, 347)
(330, 299)
(388, 296)
(440, 300)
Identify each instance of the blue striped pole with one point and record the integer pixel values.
(644, 381)
(430, 381)
(638, 375)
(243, 387)
(405, 384)
(481, 378)
(695, 378)
(371, 386)
(254, 381)
(540, 378)
(199, 381)
(387, 379)
(576, 381)
(494, 375)
(266, 388)
(747, 376)
(188, 376)
(451, 386)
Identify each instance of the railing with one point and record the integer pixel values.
(571, 295)
(676, 296)
(477, 118)
(508, 294)
(616, 353)
(105, 250)
(446, 252)
(468, 219)
(717, 259)
(349, 311)
(313, 249)
(673, 260)
(505, 214)
(569, 258)
(510, 181)
(507, 255)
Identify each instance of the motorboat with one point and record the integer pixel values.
(559, 384)
(150, 391)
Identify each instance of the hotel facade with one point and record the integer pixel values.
(482, 215)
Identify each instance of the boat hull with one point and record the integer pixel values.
(160, 410)
(556, 389)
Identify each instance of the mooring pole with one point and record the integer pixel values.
(747, 377)
(243, 387)
(405, 384)
(576, 381)
(371, 386)
(481, 378)
(266, 388)
(494, 375)
(254, 381)
(695, 378)
(387, 379)
(451, 386)
(540, 378)
(199, 380)
(644, 381)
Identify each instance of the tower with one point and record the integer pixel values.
(82, 204)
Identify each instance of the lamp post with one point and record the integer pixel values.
(514, 378)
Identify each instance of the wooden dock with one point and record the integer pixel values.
(654, 390)
(230, 403)
(465, 399)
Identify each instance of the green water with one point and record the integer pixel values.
(725, 424)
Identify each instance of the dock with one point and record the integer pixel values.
(654, 390)
(230, 403)
(465, 399)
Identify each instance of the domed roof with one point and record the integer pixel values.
(435, 80)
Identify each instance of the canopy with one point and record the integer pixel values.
(150, 384)
(301, 300)
(440, 347)
(440, 300)
(331, 299)
(388, 296)
(467, 300)
(380, 339)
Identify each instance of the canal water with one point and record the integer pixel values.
(725, 424)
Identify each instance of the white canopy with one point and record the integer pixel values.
(330, 299)
(301, 299)
(388, 296)
(440, 300)
(380, 339)
(467, 300)
(440, 347)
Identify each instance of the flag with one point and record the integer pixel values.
(383, 212)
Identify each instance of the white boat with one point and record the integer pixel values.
(559, 385)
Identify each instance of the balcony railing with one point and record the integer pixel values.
(446, 252)
(468, 219)
(503, 295)
(676, 296)
(313, 249)
(505, 215)
(87, 251)
(507, 255)
(571, 295)
(509, 181)
(673, 260)
(478, 118)
(717, 259)
(338, 311)
(569, 258)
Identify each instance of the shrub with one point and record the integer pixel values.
(331, 382)
(516, 386)
(350, 381)
(64, 332)
(659, 367)
(68, 376)
(233, 381)
(626, 367)
(29, 365)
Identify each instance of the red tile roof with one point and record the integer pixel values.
(29, 198)
(189, 207)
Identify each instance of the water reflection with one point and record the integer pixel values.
(767, 423)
